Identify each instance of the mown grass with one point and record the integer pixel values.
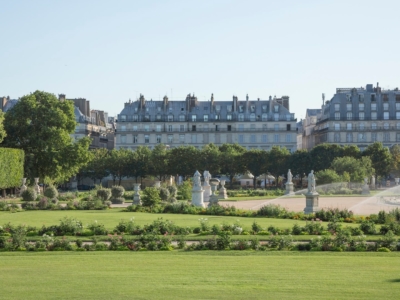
(199, 275)
(110, 218)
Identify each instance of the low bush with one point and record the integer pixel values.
(104, 194)
(29, 194)
(117, 191)
(119, 200)
(51, 192)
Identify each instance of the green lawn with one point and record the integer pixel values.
(199, 275)
(110, 218)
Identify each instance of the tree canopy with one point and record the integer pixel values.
(41, 125)
(3, 133)
(380, 157)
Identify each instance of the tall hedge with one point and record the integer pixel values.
(11, 167)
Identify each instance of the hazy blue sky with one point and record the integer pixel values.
(110, 51)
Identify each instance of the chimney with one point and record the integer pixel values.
(61, 97)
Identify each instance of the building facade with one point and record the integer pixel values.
(305, 136)
(250, 123)
(360, 116)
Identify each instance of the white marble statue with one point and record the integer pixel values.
(311, 182)
(289, 176)
(197, 180)
(207, 177)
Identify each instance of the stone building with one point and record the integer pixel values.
(305, 136)
(250, 123)
(360, 116)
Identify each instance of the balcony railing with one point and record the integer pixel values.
(200, 130)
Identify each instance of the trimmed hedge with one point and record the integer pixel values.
(12, 167)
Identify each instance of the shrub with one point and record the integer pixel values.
(29, 194)
(51, 192)
(151, 196)
(119, 200)
(104, 194)
(43, 203)
(296, 229)
(272, 210)
(164, 194)
(117, 191)
(173, 191)
(185, 190)
(368, 227)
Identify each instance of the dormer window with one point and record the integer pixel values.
(135, 118)
(181, 118)
(229, 117)
(205, 118)
(229, 108)
(276, 107)
(159, 108)
(264, 117)
(147, 117)
(241, 117)
(264, 108)
(348, 97)
(252, 117)
(373, 97)
(361, 97)
(216, 117)
(170, 118)
(158, 117)
(194, 118)
(123, 118)
(252, 108)
(217, 107)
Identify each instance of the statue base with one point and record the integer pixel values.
(207, 193)
(136, 200)
(365, 190)
(222, 194)
(197, 197)
(213, 200)
(312, 200)
(289, 188)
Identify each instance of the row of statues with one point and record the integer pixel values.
(311, 181)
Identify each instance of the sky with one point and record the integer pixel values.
(111, 51)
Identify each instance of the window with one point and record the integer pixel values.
(241, 138)
(398, 137)
(373, 106)
(205, 118)
(373, 115)
(349, 106)
(146, 128)
(217, 107)
(135, 128)
(159, 108)
(288, 117)
(181, 118)
(241, 117)
(361, 126)
(194, 118)
(158, 117)
(276, 117)
(229, 108)
(276, 127)
(123, 128)
(158, 138)
(361, 97)
(252, 138)
(386, 115)
(386, 137)
(264, 117)
(194, 138)
(336, 137)
(169, 128)
(123, 118)
(386, 126)
(146, 138)
(337, 107)
(361, 115)
(398, 126)
(385, 106)
(217, 117)
(181, 127)
(348, 97)
(253, 127)
(361, 106)
(241, 127)
(170, 118)
(397, 106)
(373, 126)
(135, 118)
(349, 137)
(373, 137)
(147, 118)
(252, 117)
(349, 126)
(181, 138)
(373, 97)
(349, 115)
(288, 138)
(229, 117)
(337, 126)
(158, 128)
(276, 138)
(276, 107)
(264, 138)
(361, 137)
(170, 138)
(337, 115)
(123, 139)
(216, 127)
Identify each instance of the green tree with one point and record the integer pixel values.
(277, 161)
(183, 160)
(138, 163)
(41, 125)
(395, 153)
(380, 157)
(209, 159)
(299, 162)
(255, 161)
(3, 133)
(159, 162)
(96, 168)
(358, 169)
(231, 160)
(327, 176)
(117, 164)
(352, 151)
(323, 155)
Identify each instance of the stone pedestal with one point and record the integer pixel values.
(365, 190)
(289, 188)
(222, 191)
(136, 194)
(37, 187)
(23, 187)
(207, 192)
(197, 191)
(214, 187)
(373, 182)
(312, 201)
